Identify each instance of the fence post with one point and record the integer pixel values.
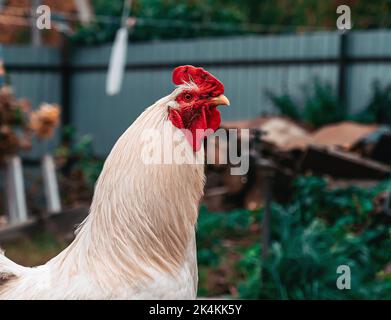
(66, 116)
(268, 198)
(342, 68)
(36, 37)
(16, 198)
(53, 202)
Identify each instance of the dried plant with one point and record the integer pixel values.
(44, 121)
(18, 124)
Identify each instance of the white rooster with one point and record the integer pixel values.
(138, 241)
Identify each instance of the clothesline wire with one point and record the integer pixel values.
(165, 23)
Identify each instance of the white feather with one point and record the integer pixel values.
(138, 241)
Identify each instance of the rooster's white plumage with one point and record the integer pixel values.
(138, 241)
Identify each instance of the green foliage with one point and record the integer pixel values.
(378, 109)
(89, 165)
(318, 231)
(262, 16)
(282, 15)
(234, 223)
(286, 105)
(34, 250)
(175, 18)
(79, 156)
(100, 31)
(304, 258)
(319, 106)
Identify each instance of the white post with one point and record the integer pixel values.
(16, 197)
(50, 183)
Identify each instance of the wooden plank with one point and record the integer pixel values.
(340, 164)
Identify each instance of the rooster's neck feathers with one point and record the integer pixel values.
(142, 216)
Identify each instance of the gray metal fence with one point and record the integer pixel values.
(35, 74)
(248, 66)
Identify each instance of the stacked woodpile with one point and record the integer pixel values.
(345, 153)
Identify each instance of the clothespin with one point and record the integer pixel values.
(117, 62)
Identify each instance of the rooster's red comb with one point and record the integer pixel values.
(203, 79)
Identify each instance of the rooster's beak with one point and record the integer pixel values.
(221, 100)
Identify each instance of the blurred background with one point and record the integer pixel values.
(317, 101)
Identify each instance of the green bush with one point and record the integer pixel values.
(318, 231)
(378, 109)
(250, 16)
(164, 20)
(319, 105)
(79, 156)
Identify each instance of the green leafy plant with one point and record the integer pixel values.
(234, 223)
(164, 20)
(304, 258)
(378, 109)
(79, 157)
(319, 230)
(319, 105)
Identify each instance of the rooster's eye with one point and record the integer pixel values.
(188, 96)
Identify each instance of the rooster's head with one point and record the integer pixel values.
(195, 108)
